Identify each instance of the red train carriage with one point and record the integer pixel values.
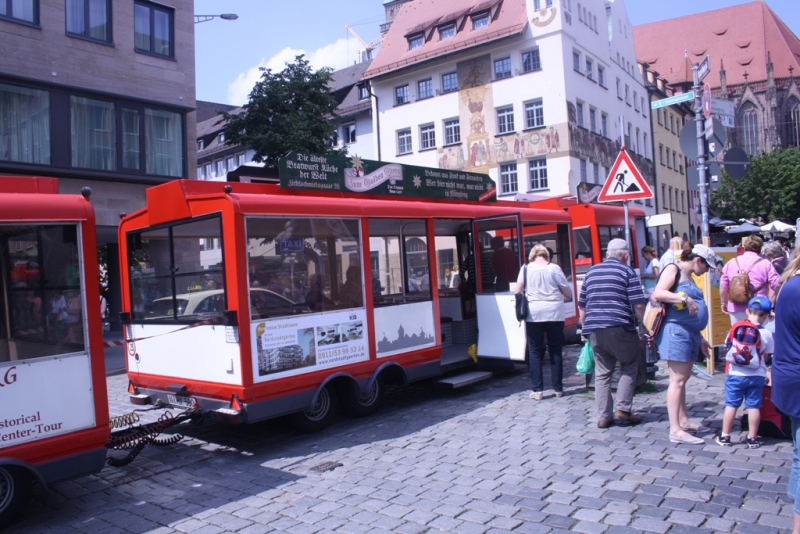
(53, 402)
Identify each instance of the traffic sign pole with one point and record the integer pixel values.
(701, 153)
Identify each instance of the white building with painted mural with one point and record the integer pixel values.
(532, 92)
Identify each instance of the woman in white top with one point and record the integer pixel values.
(546, 288)
(649, 274)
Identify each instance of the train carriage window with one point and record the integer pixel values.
(41, 313)
(400, 265)
(303, 265)
(174, 276)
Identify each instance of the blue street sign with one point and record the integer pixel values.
(677, 99)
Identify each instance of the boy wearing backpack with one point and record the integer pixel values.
(749, 345)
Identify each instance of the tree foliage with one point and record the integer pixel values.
(290, 110)
(770, 190)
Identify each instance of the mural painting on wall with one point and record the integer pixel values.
(595, 147)
(541, 142)
(475, 96)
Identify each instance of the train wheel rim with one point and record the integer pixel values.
(322, 407)
(6, 488)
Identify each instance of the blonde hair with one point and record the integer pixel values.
(793, 267)
(539, 251)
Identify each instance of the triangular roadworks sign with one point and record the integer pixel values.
(624, 182)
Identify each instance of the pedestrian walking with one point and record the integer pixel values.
(545, 287)
(761, 279)
(786, 368)
(610, 302)
(679, 342)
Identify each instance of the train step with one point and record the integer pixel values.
(464, 379)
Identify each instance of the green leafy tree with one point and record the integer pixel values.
(770, 190)
(290, 110)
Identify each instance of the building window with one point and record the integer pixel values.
(449, 82)
(502, 68)
(505, 120)
(661, 153)
(619, 89)
(670, 199)
(669, 162)
(404, 141)
(531, 61)
(363, 91)
(664, 196)
(579, 112)
(593, 120)
(231, 164)
(604, 124)
(584, 177)
(401, 95)
(576, 61)
(644, 143)
(25, 126)
(793, 122)
(20, 10)
(427, 137)
(200, 145)
(534, 113)
(89, 18)
(447, 31)
(596, 173)
(749, 133)
(424, 89)
(508, 178)
(209, 172)
(537, 4)
(452, 132)
(415, 41)
(93, 134)
(671, 124)
(242, 159)
(163, 133)
(637, 146)
(644, 109)
(349, 131)
(601, 76)
(221, 138)
(627, 95)
(580, 13)
(674, 160)
(220, 168)
(658, 115)
(333, 140)
(538, 174)
(481, 20)
(589, 69)
(683, 201)
(154, 29)
(131, 151)
(635, 101)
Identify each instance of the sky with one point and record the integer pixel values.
(269, 33)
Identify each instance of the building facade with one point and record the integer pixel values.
(754, 56)
(100, 94)
(672, 193)
(536, 93)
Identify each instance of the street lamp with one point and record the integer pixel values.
(225, 16)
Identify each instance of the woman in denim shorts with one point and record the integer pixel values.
(786, 368)
(679, 340)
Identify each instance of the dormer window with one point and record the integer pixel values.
(222, 138)
(480, 20)
(415, 41)
(200, 145)
(363, 91)
(447, 31)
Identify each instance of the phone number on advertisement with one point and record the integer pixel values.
(340, 352)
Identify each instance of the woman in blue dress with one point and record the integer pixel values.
(679, 340)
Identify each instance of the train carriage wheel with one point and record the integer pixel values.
(367, 403)
(319, 416)
(15, 487)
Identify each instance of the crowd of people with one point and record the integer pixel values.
(759, 291)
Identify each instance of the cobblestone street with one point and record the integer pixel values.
(488, 459)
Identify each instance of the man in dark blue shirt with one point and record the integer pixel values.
(610, 296)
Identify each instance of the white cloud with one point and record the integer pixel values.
(337, 55)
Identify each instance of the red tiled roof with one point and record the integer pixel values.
(741, 36)
(508, 17)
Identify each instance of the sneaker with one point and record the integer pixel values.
(752, 443)
(537, 395)
(559, 394)
(626, 418)
(723, 441)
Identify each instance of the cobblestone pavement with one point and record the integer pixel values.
(484, 460)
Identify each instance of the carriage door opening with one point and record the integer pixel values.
(494, 269)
